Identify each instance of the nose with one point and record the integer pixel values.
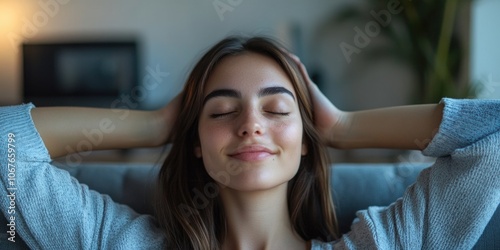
(250, 124)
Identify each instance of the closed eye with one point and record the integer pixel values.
(220, 115)
(279, 113)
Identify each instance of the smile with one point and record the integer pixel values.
(252, 156)
(252, 153)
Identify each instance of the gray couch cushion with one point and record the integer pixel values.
(354, 187)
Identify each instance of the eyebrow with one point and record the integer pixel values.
(236, 94)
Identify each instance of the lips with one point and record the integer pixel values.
(252, 153)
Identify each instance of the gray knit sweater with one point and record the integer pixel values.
(447, 208)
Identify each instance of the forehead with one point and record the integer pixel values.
(247, 72)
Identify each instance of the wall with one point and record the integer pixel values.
(485, 51)
(173, 34)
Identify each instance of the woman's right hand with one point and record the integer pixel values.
(164, 120)
(328, 119)
(66, 130)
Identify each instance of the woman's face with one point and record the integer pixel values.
(250, 126)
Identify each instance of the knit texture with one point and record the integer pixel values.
(447, 208)
(451, 202)
(53, 210)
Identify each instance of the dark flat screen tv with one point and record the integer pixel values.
(92, 74)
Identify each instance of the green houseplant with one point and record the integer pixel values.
(431, 36)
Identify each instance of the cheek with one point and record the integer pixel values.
(212, 135)
(213, 139)
(291, 131)
(289, 136)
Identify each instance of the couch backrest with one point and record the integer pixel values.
(354, 187)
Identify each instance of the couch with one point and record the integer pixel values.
(355, 187)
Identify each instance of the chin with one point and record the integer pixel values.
(255, 178)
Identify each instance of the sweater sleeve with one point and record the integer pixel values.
(49, 208)
(451, 202)
(464, 123)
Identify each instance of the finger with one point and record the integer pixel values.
(291, 55)
(295, 58)
(301, 66)
(304, 72)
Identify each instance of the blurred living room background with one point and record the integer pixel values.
(137, 54)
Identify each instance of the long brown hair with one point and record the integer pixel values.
(187, 204)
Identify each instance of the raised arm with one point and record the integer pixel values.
(450, 204)
(66, 130)
(405, 127)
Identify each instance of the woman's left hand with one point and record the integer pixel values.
(404, 127)
(328, 119)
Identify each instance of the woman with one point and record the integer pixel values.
(246, 108)
(246, 130)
